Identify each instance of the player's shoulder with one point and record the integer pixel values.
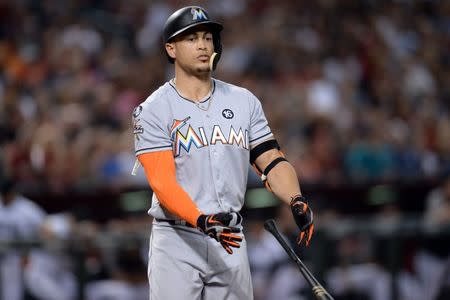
(234, 90)
(156, 101)
(229, 87)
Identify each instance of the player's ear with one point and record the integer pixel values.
(170, 50)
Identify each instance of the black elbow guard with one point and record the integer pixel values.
(261, 148)
(270, 166)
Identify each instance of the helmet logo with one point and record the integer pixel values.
(198, 14)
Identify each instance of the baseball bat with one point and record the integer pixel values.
(318, 290)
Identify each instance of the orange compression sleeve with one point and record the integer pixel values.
(160, 171)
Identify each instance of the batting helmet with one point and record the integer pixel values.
(188, 17)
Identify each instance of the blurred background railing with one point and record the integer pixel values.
(388, 255)
(374, 244)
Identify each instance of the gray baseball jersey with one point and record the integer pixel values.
(210, 140)
(20, 220)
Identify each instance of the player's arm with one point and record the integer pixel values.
(280, 178)
(160, 171)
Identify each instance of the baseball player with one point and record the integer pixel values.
(195, 137)
(20, 219)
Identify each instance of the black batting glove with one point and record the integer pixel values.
(223, 228)
(303, 216)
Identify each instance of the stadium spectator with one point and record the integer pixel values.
(20, 220)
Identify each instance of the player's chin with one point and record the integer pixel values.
(202, 68)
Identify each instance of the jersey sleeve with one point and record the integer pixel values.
(150, 130)
(259, 127)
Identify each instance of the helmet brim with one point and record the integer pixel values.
(214, 26)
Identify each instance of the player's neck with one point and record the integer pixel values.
(193, 87)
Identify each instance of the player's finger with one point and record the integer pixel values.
(228, 249)
(231, 240)
(310, 233)
(231, 230)
(236, 238)
(232, 243)
(230, 236)
(300, 237)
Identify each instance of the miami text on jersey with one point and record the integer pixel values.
(184, 140)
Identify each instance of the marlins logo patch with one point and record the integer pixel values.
(198, 14)
(185, 141)
(137, 111)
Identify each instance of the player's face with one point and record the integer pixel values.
(193, 51)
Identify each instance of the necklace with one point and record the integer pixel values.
(197, 103)
(209, 104)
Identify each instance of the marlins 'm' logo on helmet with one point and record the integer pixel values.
(198, 14)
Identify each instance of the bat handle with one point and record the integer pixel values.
(320, 293)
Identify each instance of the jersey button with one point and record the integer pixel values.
(207, 115)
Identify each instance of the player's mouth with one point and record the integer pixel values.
(203, 58)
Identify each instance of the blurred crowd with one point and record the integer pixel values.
(62, 257)
(354, 90)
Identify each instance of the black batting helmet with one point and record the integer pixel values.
(188, 17)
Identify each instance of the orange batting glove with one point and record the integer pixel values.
(303, 216)
(222, 228)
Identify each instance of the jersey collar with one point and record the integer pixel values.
(206, 98)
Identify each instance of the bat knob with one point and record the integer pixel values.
(269, 225)
(321, 293)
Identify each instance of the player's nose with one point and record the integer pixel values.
(201, 44)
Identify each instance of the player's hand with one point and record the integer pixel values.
(223, 228)
(303, 216)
